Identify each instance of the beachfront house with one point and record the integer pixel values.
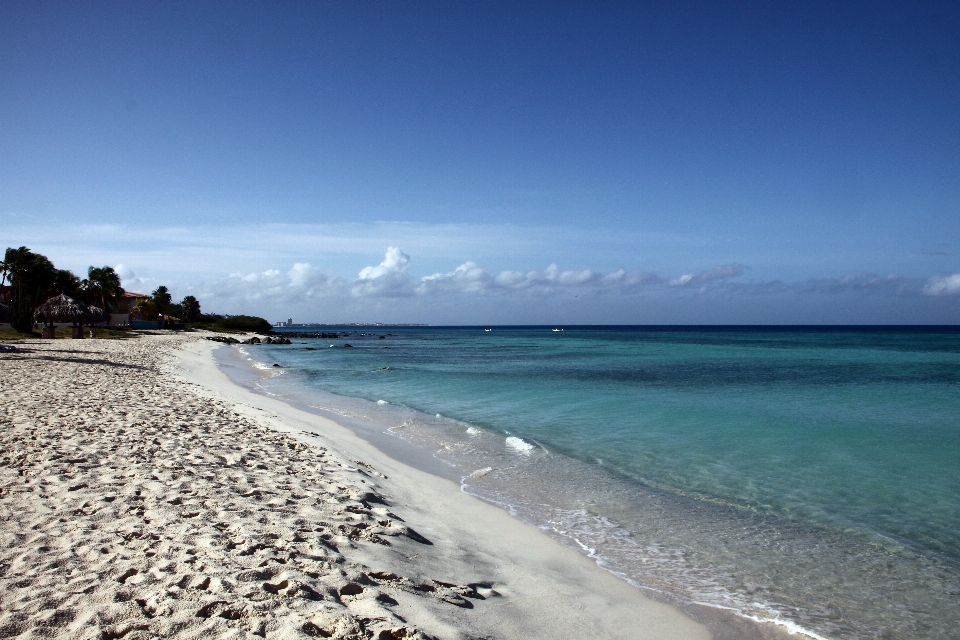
(124, 313)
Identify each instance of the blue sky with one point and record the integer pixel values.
(494, 162)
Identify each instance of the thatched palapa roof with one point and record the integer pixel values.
(95, 315)
(60, 308)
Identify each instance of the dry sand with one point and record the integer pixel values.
(143, 494)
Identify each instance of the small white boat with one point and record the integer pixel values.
(558, 330)
(488, 329)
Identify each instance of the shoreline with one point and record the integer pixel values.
(145, 494)
(723, 623)
(547, 580)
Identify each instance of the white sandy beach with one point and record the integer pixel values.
(143, 494)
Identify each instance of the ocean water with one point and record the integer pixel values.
(806, 477)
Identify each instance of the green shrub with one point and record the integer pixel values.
(245, 323)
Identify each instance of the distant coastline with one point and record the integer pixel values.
(350, 324)
(897, 328)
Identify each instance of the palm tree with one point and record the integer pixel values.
(146, 308)
(32, 279)
(162, 298)
(102, 287)
(190, 307)
(66, 283)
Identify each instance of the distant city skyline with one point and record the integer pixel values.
(494, 163)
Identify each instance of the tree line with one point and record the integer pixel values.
(33, 279)
(161, 304)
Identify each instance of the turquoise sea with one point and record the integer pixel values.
(809, 476)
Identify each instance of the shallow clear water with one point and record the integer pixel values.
(809, 477)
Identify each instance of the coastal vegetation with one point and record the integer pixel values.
(190, 309)
(245, 323)
(29, 279)
(101, 287)
(33, 279)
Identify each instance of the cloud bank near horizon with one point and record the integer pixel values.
(391, 279)
(303, 286)
(444, 272)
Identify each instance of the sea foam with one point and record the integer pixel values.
(519, 445)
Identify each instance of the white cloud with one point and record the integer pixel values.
(300, 282)
(943, 286)
(128, 278)
(125, 272)
(470, 278)
(467, 278)
(390, 279)
(304, 288)
(862, 283)
(723, 272)
(395, 261)
(628, 281)
(577, 278)
(387, 279)
(549, 279)
(310, 281)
